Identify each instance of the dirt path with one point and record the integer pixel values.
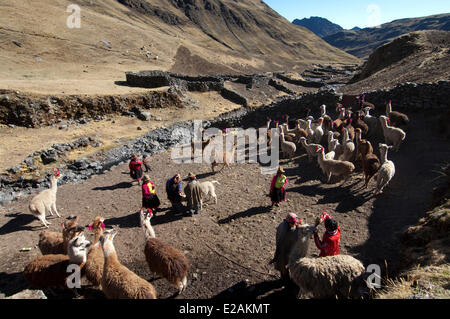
(230, 244)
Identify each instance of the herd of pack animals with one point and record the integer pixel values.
(337, 144)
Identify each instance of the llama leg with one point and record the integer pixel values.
(42, 219)
(55, 210)
(48, 209)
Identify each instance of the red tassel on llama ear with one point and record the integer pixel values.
(103, 225)
(90, 227)
(62, 225)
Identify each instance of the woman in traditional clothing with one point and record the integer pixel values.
(136, 171)
(278, 187)
(149, 198)
(175, 193)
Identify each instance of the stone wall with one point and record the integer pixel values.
(39, 110)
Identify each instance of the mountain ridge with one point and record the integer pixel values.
(362, 43)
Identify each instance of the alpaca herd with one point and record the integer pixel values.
(99, 263)
(340, 144)
(337, 144)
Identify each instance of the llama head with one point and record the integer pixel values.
(77, 249)
(98, 223)
(106, 240)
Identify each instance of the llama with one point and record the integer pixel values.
(95, 260)
(287, 148)
(45, 201)
(334, 167)
(164, 259)
(57, 243)
(386, 171)
(119, 282)
(392, 134)
(397, 119)
(50, 271)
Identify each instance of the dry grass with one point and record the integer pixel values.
(422, 282)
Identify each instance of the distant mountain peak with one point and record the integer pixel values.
(320, 26)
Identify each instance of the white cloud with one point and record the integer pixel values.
(374, 18)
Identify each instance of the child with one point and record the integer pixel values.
(147, 163)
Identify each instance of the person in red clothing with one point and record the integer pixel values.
(150, 200)
(329, 246)
(136, 171)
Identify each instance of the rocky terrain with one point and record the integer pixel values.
(418, 57)
(362, 43)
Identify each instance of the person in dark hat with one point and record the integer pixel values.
(286, 238)
(135, 167)
(175, 193)
(329, 245)
(278, 187)
(193, 193)
(149, 198)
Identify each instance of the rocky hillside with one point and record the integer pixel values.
(195, 36)
(362, 43)
(422, 56)
(320, 26)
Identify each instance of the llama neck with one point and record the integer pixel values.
(300, 248)
(388, 108)
(383, 156)
(148, 230)
(346, 138)
(321, 157)
(98, 232)
(109, 251)
(54, 184)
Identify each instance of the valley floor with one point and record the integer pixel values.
(230, 244)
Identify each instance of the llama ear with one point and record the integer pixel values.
(62, 225)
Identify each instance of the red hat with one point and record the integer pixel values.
(291, 218)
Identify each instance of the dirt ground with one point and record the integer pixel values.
(230, 244)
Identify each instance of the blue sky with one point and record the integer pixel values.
(361, 13)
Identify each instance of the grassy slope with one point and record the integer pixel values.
(69, 55)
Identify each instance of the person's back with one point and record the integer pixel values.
(193, 193)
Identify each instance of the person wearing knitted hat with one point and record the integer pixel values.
(175, 193)
(278, 187)
(286, 237)
(193, 193)
(149, 198)
(135, 167)
(329, 245)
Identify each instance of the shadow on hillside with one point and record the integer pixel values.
(248, 213)
(19, 223)
(120, 185)
(406, 198)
